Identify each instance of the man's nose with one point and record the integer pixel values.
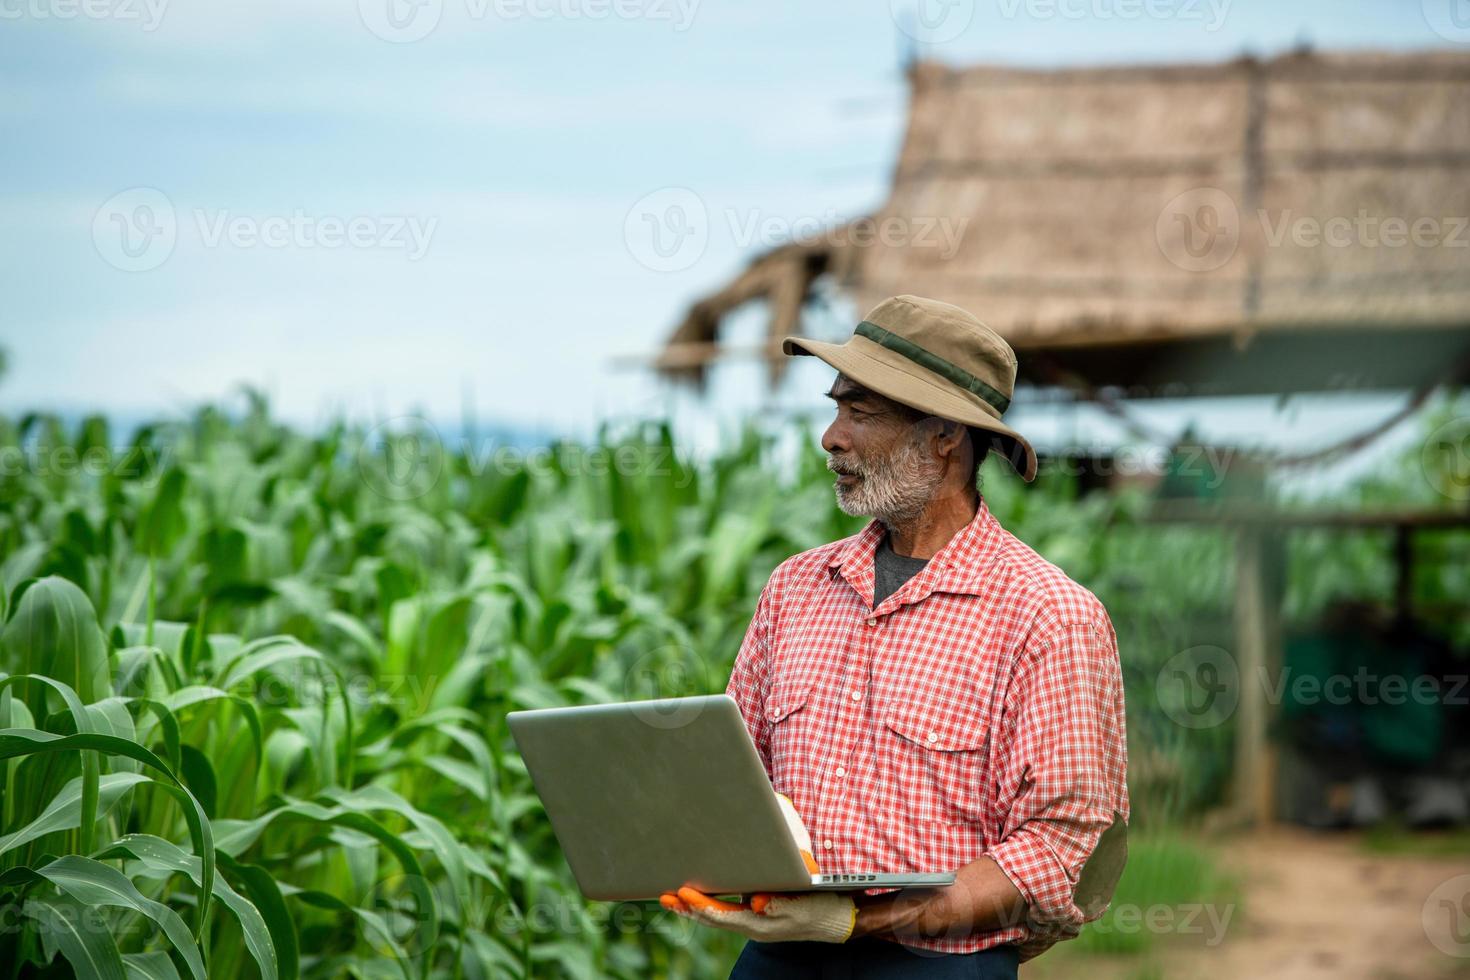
(835, 440)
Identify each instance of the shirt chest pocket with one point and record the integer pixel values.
(790, 719)
(937, 752)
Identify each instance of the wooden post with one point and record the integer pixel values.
(1256, 616)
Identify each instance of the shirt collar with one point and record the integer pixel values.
(959, 566)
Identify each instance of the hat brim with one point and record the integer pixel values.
(911, 387)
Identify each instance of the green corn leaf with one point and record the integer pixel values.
(82, 720)
(93, 883)
(188, 697)
(266, 895)
(17, 743)
(64, 810)
(449, 852)
(374, 925)
(80, 934)
(149, 966)
(161, 856)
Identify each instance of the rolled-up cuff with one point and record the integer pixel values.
(1041, 878)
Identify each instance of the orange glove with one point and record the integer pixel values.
(809, 916)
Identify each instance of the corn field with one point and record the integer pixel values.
(255, 681)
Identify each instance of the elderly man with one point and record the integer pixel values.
(930, 693)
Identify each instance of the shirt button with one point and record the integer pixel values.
(841, 772)
(857, 695)
(827, 844)
(933, 736)
(872, 622)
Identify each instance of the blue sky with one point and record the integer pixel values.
(516, 137)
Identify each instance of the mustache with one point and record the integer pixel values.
(845, 467)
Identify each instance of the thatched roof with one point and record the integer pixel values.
(1074, 192)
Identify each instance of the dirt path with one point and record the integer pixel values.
(1312, 906)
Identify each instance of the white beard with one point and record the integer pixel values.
(894, 490)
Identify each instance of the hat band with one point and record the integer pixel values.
(935, 363)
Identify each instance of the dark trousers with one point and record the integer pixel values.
(869, 959)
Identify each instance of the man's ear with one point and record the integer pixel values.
(950, 434)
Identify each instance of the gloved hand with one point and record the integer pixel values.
(810, 916)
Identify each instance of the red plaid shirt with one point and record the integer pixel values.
(976, 711)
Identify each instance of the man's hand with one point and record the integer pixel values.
(811, 916)
(826, 917)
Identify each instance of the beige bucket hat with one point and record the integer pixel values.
(936, 358)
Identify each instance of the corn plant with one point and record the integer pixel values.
(255, 680)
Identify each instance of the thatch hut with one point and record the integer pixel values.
(1257, 226)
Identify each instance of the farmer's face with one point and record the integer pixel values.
(883, 456)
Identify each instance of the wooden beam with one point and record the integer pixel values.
(1257, 653)
(1237, 515)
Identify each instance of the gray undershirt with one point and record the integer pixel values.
(891, 570)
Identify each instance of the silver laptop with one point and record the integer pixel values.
(646, 796)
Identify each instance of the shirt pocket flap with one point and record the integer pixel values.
(947, 726)
(788, 695)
